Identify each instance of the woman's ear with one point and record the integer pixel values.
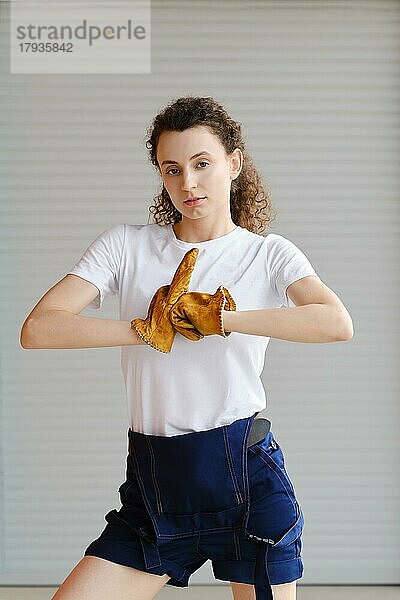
(236, 163)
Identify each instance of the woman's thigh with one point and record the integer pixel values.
(95, 577)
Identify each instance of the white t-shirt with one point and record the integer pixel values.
(200, 384)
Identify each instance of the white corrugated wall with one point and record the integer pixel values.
(316, 86)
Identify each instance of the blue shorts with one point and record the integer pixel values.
(232, 555)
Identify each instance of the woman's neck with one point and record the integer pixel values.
(194, 233)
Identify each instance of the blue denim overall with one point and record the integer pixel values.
(199, 482)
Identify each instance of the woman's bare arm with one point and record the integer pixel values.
(55, 321)
(319, 316)
(57, 328)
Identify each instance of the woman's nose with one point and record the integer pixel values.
(188, 181)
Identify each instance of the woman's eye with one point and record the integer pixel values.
(202, 162)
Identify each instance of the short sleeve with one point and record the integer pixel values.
(100, 263)
(286, 264)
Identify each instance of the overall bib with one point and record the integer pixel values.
(199, 482)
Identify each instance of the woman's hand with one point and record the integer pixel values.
(156, 329)
(197, 314)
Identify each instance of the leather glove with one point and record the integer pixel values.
(156, 329)
(196, 314)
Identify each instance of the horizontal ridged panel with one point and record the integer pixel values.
(316, 87)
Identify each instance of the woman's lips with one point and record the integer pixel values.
(194, 202)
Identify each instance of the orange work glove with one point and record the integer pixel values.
(197, 314)
(156, 329)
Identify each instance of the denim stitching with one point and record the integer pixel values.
(244, 460)
(214, 529)
(231, 467)
(155, 525)
(185, 573)
(192, 533)
(153, 472)
(288, 531)
(280, 478)
(237, 546)
(245, 472)
(279, 467)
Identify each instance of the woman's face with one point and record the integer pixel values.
(207, 175)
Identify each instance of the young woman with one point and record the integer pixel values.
(202, 290)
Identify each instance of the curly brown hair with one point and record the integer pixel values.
(250, 202)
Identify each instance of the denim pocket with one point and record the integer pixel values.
(272, 449)
(274, 509)
(268, 455)
(292, 536)
(266, 447)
